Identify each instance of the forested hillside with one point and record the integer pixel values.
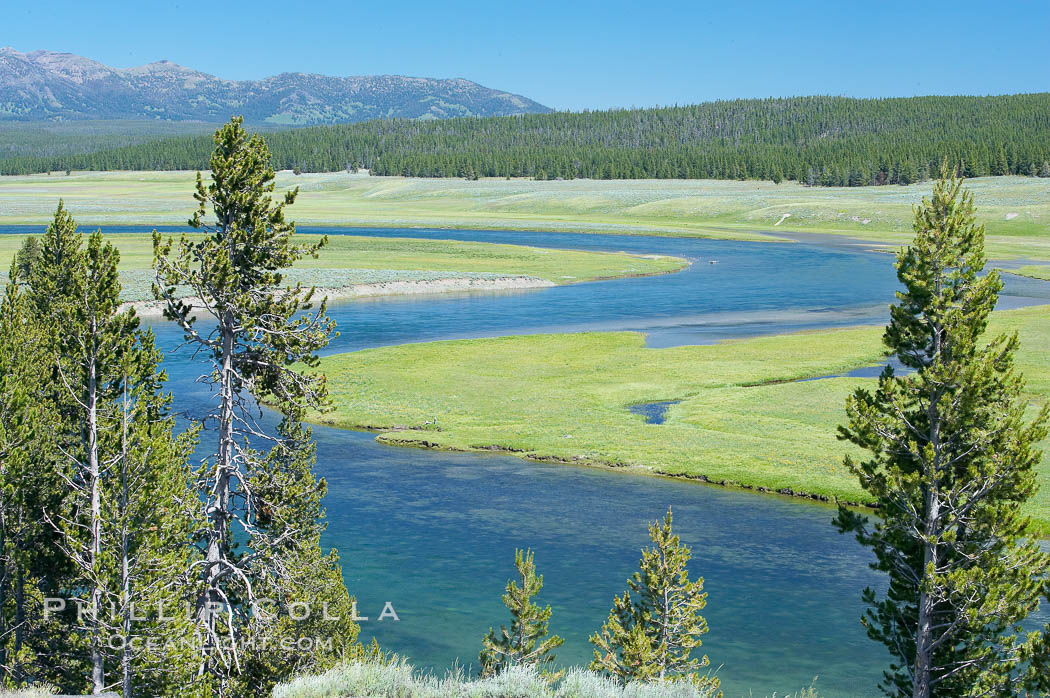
(831, 141)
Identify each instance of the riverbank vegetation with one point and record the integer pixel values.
(1014, 210)
(417, 265)
(400, 680)
(827, 141)
(743, 417)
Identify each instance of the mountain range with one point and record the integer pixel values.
(45, 85)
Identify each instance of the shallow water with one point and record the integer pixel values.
(653, 412)
(434, 533)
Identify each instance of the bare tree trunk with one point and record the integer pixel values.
(665, 613)
(921, 679)
(20, 618)
(5, 568)
(98, 678)
(125, 558)
(125, 658)
(219, 505)
(923, 670)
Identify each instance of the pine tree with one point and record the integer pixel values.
(124, 520)
(973, 165)
(149, 515)
(1000, 166)
(526, 642)
(31, 565)
(52, 274)
(27, 256)
(91, 336)
(923, 172)
(651, 636)
(951, 464)
(907, 173)
(263, 333)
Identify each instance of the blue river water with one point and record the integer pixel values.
(434, 533)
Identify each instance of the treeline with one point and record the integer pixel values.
(52, 139)
(828, 141)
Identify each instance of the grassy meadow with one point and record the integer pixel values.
(1016, 210)
(743, 419)
(1033, 271)
(350, 260)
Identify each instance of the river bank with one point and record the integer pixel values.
(366, 267)
(407, 287)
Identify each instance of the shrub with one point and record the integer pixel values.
(399, 680)
(36, 692)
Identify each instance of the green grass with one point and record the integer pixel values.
(350, 260)
(741, 420)
(1032, 271)
(1016, 210)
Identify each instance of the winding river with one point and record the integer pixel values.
(434, 533)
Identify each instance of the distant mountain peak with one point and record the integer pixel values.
(163, 64)
(42, 85)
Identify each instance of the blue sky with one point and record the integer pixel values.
(576, 55)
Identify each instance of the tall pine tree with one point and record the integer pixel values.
(952, 461)
(149, 515)
(31, 564)
(260, 334)
(124, 521)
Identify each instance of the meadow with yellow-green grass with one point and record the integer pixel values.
(1015, 210)
(744, 417)
(1033, 271)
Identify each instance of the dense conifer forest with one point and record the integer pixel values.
(827, 141)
